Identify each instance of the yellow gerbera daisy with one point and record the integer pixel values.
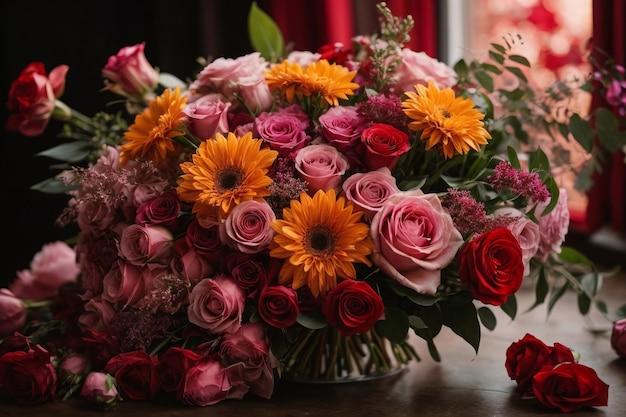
(224, 172)
(446, 120)
(152, 135)
(320, 239)
(329, 81)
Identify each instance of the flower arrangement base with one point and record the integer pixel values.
(324, 356)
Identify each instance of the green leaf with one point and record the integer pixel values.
(513, 159)
(520, 60)
(518, 73)
(499, 48)
(492, 68)
(510, 306)
(496, 57)
(312, 319)
(416, 322)
(553, 187)
(414, 296)
(51, 186)
(461, 68)
(462, 319)
(68, 152)
(485, 80)
(264, 33)
(573, 256)
(582, 131)
(608, 134)
(487, 318)
(538, 161)
(584, 303)
(395, 326)
(556, 295)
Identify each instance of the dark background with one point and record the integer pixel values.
(83, 35)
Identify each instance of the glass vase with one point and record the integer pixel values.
(325, 356)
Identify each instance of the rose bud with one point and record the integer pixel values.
(12, 313)
(100, 388)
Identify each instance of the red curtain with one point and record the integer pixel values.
(607, 198)
(310, 24)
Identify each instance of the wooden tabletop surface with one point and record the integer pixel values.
(462, 384)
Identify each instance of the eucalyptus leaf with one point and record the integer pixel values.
(68, 152)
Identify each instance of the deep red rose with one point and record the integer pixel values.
(492, 266)
(382, 145)
(207, 242)
(173, 364)
(28, 377)
(570, 386)
(278, 306)
(135, 373)
(101, 347)
(163, 209)
(306, 300)
(335, 52)
(352, 307)
(529, 355)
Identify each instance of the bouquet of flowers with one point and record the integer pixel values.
(288, 214)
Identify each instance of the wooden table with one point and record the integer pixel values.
(463, 384)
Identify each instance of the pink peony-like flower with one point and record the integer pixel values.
(129, 72)
(368, 191)
(527, 233)
(12, 313)
(216, 304)
(283, 130)
(419, 68)
(414, 239)
(50, 268)
(207, 116)
(142, 245)
(322, 166)
(247, 228)
(553, 226)
(618, 338)
(33, 98)
(208, 383)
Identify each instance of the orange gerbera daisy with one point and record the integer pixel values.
(152, 135)
(329, 81)
(224, 172)
(320, 239)
(445, 120)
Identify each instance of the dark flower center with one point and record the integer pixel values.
(229, 179)
(320, 241)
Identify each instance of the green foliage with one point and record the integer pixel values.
(265, 35)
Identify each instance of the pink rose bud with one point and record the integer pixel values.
(100, 388)
(130, 73)
(12, 313)
(74, 365)
(618, 338)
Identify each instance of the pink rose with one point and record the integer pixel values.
(247, 227)
(250, 346)
(100, 388)
(283, 130)
(368, 191)
(50, 268)
(322, 166)
(189, 264)
(32, 98)
(278, 306)
(125, 284)
(303, 58)
(383, 144)
(12, 313)
(618, 337)
(419, 68)
(98, 315)
(208, 383)
(142, 245)
(28, 377)
(242, 76)
(414, 238)
(216, 304)
(129, 72)
(526, 232)
(553, 226)
(207, 116)
(73, 368)
(342, 127)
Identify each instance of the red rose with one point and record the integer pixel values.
(135, 373)
(173, 364)
(383, 144)
(492, 266)
(28, 377)
(570, 386)
(278, 306)
(529, 355)
(32, 98)
(352, 307)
